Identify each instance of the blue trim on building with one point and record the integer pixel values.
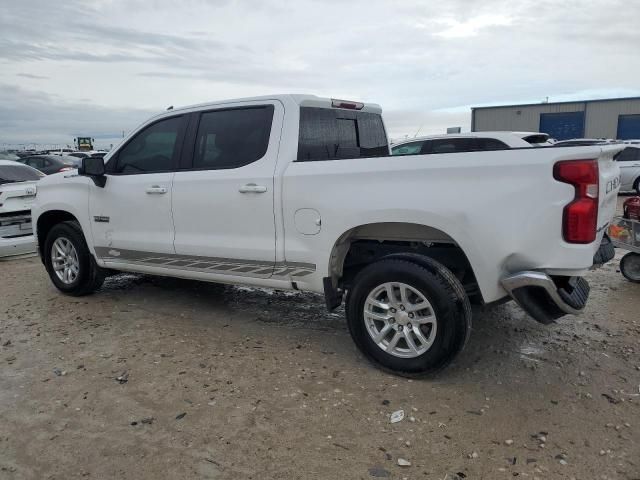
(584, 102)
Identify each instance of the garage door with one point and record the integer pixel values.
(628, 127)
(563, 126)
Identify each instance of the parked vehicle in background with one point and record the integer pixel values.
(79, 155)
(629, 161)
(300, 192)
(8, 156)
(537, 139)
(60, 151)
(460, 142)
(17, 192)
(49, 164)
(582, 142)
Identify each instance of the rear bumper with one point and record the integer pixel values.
(546, 299)
(10, 247)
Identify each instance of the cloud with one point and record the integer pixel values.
(472, 26)
(426, 63)
(23, 112)
(32, 76)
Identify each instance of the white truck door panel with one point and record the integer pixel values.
(131, 216)
(223, 205)
(127, 214)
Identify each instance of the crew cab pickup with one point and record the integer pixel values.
(301, 192)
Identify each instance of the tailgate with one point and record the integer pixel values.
(609, 187)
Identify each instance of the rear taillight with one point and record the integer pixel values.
(580, 219)
(65, 169)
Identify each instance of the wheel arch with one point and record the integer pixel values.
(393, 238)
(46, 221)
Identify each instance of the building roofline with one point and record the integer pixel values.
(557, 103)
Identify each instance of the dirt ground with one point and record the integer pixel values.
(157, 378)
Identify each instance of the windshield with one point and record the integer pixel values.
(18, 173)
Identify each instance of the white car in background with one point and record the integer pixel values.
(469, 142)
(17, 192)
(629, 161)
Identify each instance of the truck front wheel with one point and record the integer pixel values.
(410, 316)
(70, 265)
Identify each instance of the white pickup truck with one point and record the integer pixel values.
(300, 192)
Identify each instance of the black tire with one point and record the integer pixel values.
(90, 275)
(637, 186)
(630, 267)
(440, 287)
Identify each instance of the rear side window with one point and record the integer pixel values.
(36, 162)
(331, 134)
(456, 145)
(151, 150)
(232, 138)
(18, 173)
(452, 145)
(489, 144)
(412, 148)
(629, 154)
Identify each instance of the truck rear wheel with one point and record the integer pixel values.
(410, 315)
(70, 265)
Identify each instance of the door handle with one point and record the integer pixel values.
(156, 189)
(252, 188)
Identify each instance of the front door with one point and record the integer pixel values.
(131, 215)
(223, 198)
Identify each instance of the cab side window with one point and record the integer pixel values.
(154, 149)
(232, 138)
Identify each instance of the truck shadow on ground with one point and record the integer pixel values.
(501, 331)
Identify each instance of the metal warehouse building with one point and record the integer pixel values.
(610, 118)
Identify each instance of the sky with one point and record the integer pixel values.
(100, 67)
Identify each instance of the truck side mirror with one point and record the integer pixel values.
(93, 167)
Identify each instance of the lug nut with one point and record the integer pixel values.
(393, 310)
(411, 315)
(399, 327)
(401, 307)
(408, 325)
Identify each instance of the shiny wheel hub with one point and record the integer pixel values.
(64, 260)
(400, 320)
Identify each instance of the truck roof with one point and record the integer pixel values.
(303, 100)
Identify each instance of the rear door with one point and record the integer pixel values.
(223, 194)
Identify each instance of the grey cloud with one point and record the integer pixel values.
(27, 116)
(32, 76)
